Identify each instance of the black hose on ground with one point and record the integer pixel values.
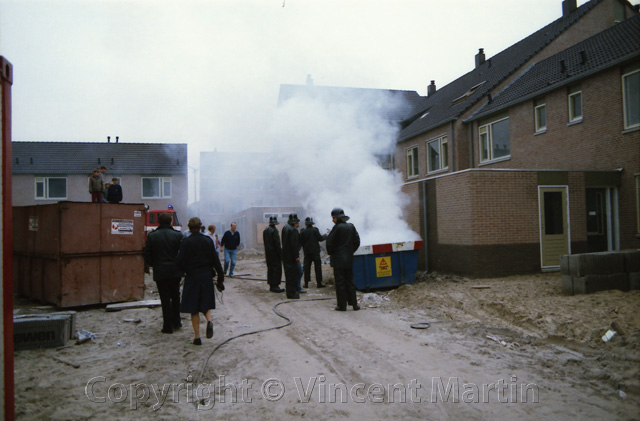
(206, 361)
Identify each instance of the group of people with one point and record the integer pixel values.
(104, 192)
(172, 255)
(196, 257)
(341, 243)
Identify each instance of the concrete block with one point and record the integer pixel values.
(634, 280)
(631, 260)
(564, 264)
(606, 263)
(594, 283)
(567, 284)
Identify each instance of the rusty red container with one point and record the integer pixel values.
(74, 254)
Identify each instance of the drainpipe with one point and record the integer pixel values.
(471, 152)
(451, 143)
(426, 232)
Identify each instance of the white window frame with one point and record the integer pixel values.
(539, 126)
(487, 129)
(163, 193)
(45, 188)
(413, 162)
(625, 103)
(573, 117)
(443, 159)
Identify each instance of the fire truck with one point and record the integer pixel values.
(151, 219)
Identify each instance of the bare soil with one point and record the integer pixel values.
(505, 348)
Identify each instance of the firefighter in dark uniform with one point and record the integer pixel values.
(160, 252)
(310, 238)
(342, 242)
(291, 256)
(273, 254)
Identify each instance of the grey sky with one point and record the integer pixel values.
(208, 72)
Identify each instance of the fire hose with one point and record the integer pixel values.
(206, 361)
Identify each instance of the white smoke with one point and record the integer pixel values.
(326, 147)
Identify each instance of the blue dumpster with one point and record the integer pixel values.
(385, 265)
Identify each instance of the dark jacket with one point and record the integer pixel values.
(342, 242)
(161, 251)
(114, 194)
(197, 255)
(95, 184)
(230, 241)
(272, 247)
(290, 244)
(310, 238)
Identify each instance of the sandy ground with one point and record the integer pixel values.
(507, 348)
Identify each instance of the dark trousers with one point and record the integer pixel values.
(345, 288)
(291, 276)
(169, 290)
(96, 197)
(274, 273)
(315, 259)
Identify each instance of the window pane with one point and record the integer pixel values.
(445, 153)
(40, 189)
(57, 188)
(553, 213)
(150, 187)
(500, 132)
(632, 99)
(541, 118)
(167, 188)
(576, 106)
(433, 152)
(484, 147)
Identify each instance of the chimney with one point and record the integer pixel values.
(309, 80)
(568, 6)
(480, 57)
(117, 137)
(431, 89)
(108, 139)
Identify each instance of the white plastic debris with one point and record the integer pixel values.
(372, 300)
(607, 336)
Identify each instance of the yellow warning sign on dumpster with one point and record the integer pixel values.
(383, 266)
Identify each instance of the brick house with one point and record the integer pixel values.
(150, 173)
(533, 154)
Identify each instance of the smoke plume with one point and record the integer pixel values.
(327, 148)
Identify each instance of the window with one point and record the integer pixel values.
(412, 162)
(575, 105)
(494, 140)
(156, 187)
(631, 99)
(51, 188)
(437, 154)
(540, 115)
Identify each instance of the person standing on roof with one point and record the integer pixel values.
(96, 188)
(114, 194)
(342, 242)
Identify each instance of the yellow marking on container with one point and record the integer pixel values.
(383, 266)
